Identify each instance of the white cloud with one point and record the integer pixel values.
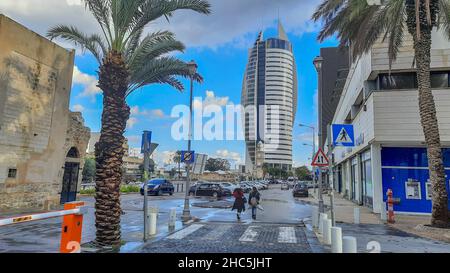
(131, 122)
(225, 154)
(89, 83)
(211, 99)
(163, 158)
(232, 22)
(78, 108)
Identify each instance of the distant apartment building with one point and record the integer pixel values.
(42, 143)
(334, 73)
(390, 153)
(270, 87)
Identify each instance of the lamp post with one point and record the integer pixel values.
(318, 62)
(186, 211)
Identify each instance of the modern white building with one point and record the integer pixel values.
(390, 148)
(269, 96)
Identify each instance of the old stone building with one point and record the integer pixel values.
(42, 143)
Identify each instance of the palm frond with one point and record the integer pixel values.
(444, 16)
(94, 43)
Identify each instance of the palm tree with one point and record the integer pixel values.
(359, 25)
(128, 60)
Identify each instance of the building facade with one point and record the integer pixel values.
(269, 97)
(334, 71)
(42, 143)
(390, 152)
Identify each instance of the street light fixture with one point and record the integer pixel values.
(192, 66)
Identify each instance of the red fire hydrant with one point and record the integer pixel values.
(390, 201)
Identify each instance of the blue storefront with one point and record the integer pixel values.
(405, 171)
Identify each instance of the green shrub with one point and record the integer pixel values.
(88, 191)
(129, 188)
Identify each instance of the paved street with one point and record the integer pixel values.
(43, 236)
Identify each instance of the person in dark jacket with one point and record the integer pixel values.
(239, 202)
(253, 200)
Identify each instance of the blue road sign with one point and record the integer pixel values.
(146, 136)
(343, 135)
(188, 157)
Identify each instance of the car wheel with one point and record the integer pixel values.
(215, 194)
(171, 193)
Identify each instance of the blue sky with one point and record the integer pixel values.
(223, 70)
(219, 43)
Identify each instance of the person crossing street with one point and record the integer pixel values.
(253, 200)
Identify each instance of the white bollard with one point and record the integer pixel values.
(322, 217)
(336, 240)
(172, 217)
(383, 212)
(327, 231)
(349, 244)
(153, 220)
(356, 216)
(315, 217)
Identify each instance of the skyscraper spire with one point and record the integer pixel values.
(281, 33)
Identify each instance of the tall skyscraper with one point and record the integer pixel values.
(269, 95)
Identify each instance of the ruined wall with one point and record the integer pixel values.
(35, 85)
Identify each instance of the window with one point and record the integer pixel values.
(398, 81)
(429, 190)
(439, 80)
(12, 173)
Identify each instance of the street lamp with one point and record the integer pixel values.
(192, 66)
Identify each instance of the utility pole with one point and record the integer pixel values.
(146, 150)
(330, 172)
(186, 211)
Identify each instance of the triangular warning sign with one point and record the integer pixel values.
(321, 159)
(343, 137)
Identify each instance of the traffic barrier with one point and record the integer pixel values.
(357, 216)
(327, 231)
(172, 217)
(391, 219)
(322, 218)
(336, 240)
(153, 221)
(315, 217)
(72, 225)
(349, 244)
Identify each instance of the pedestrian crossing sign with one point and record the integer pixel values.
(320, 160)
(343, 135)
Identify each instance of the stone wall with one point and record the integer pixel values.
(35, 121)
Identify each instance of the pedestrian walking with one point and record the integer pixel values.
(239, 202)
(253, 200)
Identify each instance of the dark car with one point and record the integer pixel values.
(209, 189)
(158, 187)
(300, 190)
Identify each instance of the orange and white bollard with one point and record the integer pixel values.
(72, 228)
(390, 203)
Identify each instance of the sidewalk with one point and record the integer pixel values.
(408, 235)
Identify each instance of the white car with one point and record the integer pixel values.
(228, 185)
(285, 186)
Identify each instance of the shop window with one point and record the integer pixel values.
(412, 189)
(429, 190)
(12, 173)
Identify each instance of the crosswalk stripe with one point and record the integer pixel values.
(185, 232)
(287, 235)
(218, 232)
(249, 235)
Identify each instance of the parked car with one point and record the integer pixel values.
(158, 187)
(285, 186)
(229, 186)
(300, 190)
(209, 189)
(245, 187)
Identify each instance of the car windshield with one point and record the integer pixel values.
(155, 182)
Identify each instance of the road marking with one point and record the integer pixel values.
(217, 233)
(185, 232)
(286, 235)
(249, 235)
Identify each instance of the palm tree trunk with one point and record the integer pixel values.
(428, 117)
(109, 151)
